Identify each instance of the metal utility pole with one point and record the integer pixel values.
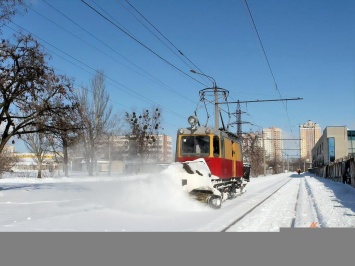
(288, 166)
(216, 90)
(264, 162)
(216, 113)
(239, 120)
(239, 112)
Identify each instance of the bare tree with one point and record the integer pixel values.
(109, 147)
(95, 114)
(39, 144)
(143, 131)
(276, 164)
(8, 8)
(55, 141)
(253, 152)
(65, 135)
(31, 94)
(7, 161)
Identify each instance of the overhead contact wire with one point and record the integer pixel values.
(177, 49)
(126, 88)
(267, 60)
(139, 42)
(112, 49)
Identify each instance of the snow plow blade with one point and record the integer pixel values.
(196, 178)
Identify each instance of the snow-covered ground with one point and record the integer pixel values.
(156, 202)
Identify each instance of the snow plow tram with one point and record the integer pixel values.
(211, 163)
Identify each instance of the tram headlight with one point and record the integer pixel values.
(208, 131)
(181, 130)
(192, 120)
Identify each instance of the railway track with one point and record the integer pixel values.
(305, 211)
(240, 218)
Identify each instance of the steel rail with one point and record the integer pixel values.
(246, 213)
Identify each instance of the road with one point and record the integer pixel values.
(156, 203)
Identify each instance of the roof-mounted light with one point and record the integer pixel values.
(193, 121)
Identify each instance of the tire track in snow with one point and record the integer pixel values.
(298, 196)
(316, 208)
(306, 211)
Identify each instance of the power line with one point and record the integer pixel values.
(84, 88)
(261, 44)
(127, 90)
(177, 49)
(239, 113)
(148, 29)
(257, 101)
(267, 60)
(112, 49)
(145, 26)
(139, 42)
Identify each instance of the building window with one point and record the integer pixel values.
(331, 149)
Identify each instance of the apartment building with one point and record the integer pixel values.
(161, 151)
(310, 133)
(273, 143)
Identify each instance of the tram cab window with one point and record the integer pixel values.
(216, 146)
(195, 145)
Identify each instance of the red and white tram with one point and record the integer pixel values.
(222, 153)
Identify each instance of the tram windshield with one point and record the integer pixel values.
(195, 145)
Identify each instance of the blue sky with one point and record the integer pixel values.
(309, 45)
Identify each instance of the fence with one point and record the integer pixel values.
(341, 171)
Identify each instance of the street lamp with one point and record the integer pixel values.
(202, 74)
(215, 88)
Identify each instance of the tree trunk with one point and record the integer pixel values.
(90, 167)
(65, 156)
(39, 173)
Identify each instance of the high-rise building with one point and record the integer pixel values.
(273, 143)
(310, 133)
